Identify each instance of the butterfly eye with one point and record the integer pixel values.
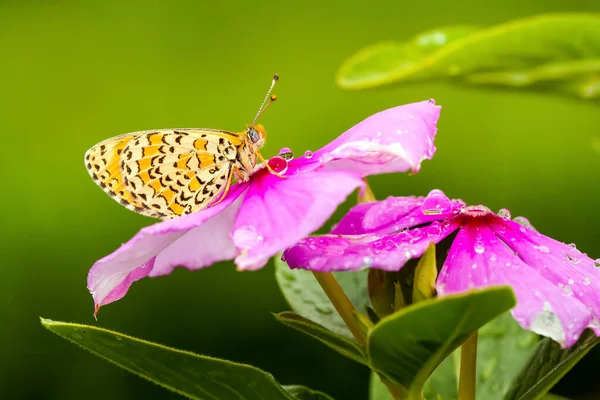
(253, 135)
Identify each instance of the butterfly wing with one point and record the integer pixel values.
(165, 173)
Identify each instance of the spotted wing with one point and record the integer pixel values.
(170, 172)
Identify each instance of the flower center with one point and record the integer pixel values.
(475, 211)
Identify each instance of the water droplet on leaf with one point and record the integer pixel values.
(324, 310)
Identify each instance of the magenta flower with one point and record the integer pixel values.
(260, 218)
(557, 287)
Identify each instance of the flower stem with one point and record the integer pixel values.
(468, 369)
(341, 303)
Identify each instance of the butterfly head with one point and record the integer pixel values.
(256, 135)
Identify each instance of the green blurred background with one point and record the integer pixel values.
(74, 73)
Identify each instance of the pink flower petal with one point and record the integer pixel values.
(393, 140)
(277, 212)
(194, 241)
(478, 258)
(349, 253)
(394, 214)
(563, 265)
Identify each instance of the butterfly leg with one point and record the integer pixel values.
(227, 187)
(268, 166)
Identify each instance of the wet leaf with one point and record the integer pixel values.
(553, 52)
(305, 296)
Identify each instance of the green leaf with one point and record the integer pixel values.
(391, 61)
(547, 364)
(408, 345)
(339, 343)
(191, 375)
(503, 349)
(425, 275)
(559, 52)
(377, 390)
(304, 393)
(305, 296)
(443, 383)
(381, 291)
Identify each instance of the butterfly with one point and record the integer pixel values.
(166, 173)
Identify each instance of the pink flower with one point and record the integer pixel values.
(557, 287)
(262, 217)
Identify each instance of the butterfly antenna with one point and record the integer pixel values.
(270, 100)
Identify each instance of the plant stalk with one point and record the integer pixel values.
(467, 383)
(341, 303)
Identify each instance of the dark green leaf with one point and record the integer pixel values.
(408, 345)
(547, 364)
(559, 52)
(191, 375)
(339, 343)
(305, 296)
(304, 393)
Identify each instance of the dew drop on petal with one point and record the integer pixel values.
(571, 281)
(436, 203)
(286, 153)
(524, 222)
(308, 154)
(474, 266)
(434, 230)
(479, 247)
(504, 213)
(317, 262)
(597, 263)
(543, 249)
(587, 280)
(245, 237)
(568, 290)
(278, 164)
(493, 257)
(546, 323)
(574, 255)
(431, 101)
(368, 261)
